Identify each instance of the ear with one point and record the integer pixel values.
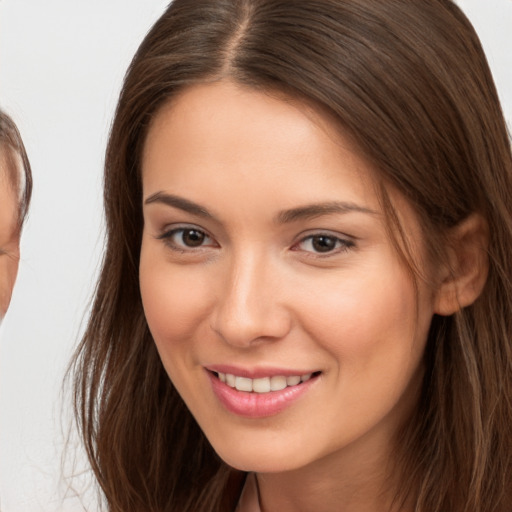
(464, 277)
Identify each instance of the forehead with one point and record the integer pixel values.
(211, 128)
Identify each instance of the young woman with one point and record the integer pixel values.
(306, 300)
(15, 191)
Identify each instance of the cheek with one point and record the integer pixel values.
(363, 310)
(174, 301)
(369, 326)
(370, 329)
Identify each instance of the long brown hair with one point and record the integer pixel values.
(409, 82)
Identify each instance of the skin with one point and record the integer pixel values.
(9, 238)
(256, 293)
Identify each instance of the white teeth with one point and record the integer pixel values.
(230, 380)
(277, 383)
(263, 384)
(243, 384)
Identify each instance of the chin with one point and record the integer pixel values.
(258, 465)
(259, 460)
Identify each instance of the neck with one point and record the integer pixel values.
(360, 483)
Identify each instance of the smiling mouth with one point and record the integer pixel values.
(263, 384)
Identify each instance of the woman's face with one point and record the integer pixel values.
(278, 305)
(9, 237)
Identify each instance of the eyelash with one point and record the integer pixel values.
(339, 244)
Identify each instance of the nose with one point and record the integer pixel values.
(250, 307)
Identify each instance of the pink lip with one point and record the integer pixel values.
(258, 405)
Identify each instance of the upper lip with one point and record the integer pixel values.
(257, 372)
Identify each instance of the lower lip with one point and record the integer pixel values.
(258, 405)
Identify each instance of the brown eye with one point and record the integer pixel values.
(323, 243)
(192, 237)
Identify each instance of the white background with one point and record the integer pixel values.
(61, 67)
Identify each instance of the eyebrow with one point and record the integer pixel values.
(284, 217)
(180, 203)
(316, 210)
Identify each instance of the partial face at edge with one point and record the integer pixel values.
(265, 256)
(9, 236)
